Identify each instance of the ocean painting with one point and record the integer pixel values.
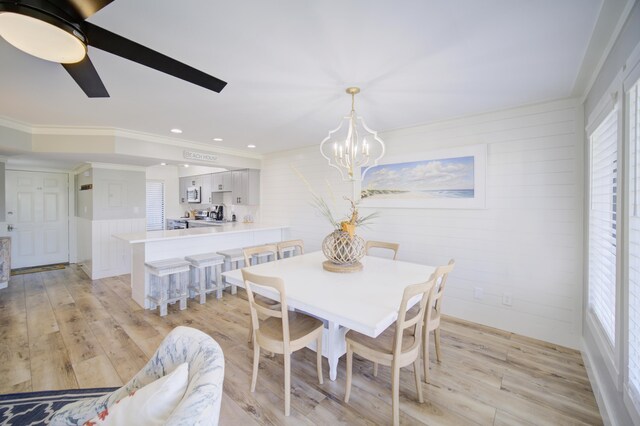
(443, 178)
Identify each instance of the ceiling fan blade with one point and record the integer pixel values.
(125, 48)
(85, 74)
(81, 8)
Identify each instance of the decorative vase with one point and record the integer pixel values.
(343, 251)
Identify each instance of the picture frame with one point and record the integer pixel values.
(453, 178)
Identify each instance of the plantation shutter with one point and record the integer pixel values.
(602, 224)
(155, 205)
(634, 246)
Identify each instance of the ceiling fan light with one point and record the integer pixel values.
(42, 39)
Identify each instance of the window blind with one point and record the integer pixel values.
(155, 205)
(602, 224)
(634, 246)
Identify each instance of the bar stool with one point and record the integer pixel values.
(232, 260)
(166, 283)
(204, 266)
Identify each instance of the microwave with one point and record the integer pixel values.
(193, 194)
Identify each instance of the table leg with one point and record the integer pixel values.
(336, 347)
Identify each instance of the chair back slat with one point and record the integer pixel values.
(283, 245)
(441, 274)
(276, 283)
(425, 291)
(251, 252)
(383, 245)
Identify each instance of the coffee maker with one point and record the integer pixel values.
(217, 212)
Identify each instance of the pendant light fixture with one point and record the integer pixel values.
(352, 144)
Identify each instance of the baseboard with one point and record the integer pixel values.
(596, 380)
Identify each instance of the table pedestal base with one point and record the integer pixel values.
(333, 346)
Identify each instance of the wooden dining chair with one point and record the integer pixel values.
(432, 317)
(290, 246)
(397, 346)
(283, 332)
(251, 255)
(383, 245)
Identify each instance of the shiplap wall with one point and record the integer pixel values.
(527, 242)
(100, 254)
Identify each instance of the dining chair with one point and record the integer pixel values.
(383, 245)
(432, 317)
(290, 246)
(283, 332)
(397, 346)
(251, 255)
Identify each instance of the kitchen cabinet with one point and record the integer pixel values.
(183, 185)
(206, 182)
(222, 182)
(246, 187)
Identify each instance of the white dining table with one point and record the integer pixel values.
(366, 301)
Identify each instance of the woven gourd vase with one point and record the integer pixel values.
(342, 249)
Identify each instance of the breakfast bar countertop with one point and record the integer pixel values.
(173, 234)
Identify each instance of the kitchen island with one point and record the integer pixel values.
(178, 243)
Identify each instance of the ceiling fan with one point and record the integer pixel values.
(57, 30)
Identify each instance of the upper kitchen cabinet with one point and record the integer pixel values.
(246, 187)
(206, 182)
(200, 183)
(222, 182)
(184, 184)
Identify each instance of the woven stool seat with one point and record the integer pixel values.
(206, 259)
(167, 266)
(232, 255)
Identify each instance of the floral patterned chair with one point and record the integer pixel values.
(201, 402)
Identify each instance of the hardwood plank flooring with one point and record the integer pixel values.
(59, 329)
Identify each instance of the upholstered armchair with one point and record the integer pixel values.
(201, 402)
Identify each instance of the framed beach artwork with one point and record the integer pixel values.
(451, 178)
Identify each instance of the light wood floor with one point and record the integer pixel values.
(60, 330)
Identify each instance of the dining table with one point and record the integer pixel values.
(366, 301)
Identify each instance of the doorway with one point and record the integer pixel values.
(37, 217)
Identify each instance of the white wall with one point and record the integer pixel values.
(527, 242)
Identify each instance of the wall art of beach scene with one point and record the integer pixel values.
(427, 179)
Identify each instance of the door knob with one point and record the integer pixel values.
(9, 228)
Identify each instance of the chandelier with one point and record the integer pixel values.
(352, 144)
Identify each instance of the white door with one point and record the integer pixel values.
(37, 218)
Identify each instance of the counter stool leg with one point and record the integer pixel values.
(164, 295)
(192, 280)
(183, 297)
(219, 283)
(203, 284)
(234, 289)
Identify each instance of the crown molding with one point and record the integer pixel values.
(118, 167)
(122, 133)
(605, 53)
(15, 125)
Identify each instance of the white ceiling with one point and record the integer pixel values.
(288, 62)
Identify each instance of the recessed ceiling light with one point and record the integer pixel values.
(178, 131)
(163, 164)
(186, 165)
(251, 146)
(217, 139)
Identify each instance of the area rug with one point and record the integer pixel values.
(35, 269)
(36, 408)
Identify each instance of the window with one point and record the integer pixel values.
(155, 205)
(602, 224)
(634, 245)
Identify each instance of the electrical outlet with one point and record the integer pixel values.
(478, 293)
(507, 299)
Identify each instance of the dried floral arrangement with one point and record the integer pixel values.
(349, 222)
